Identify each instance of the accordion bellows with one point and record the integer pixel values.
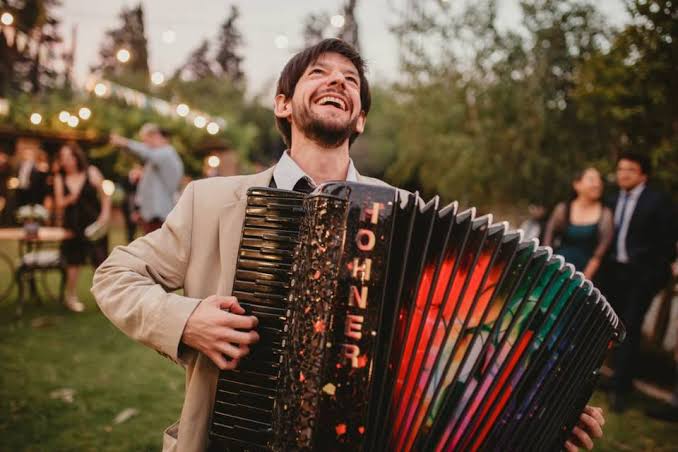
(390, 323)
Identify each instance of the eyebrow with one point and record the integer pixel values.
(324, 65)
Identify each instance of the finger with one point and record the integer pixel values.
(228, 303)
(569, 447)
(590, 425)
(582, 437)
(221, 362)
(241, 337)
(596, 413)
(241, 322)
(233, 351)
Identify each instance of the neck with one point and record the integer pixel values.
(585, 202)
(320, 163)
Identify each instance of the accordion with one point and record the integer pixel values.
(390, 323)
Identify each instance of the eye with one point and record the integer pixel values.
(315, 70)
(352, 79)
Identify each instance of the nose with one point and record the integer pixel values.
(337, 78)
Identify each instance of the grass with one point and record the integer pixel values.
(50, 351)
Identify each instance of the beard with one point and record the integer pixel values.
(325, 132)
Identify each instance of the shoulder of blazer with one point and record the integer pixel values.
(217, 191)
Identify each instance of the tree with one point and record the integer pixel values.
(131, 36)
(349, 32)
(628, 93)
(315, 25)
(495, 118)
(27, 62)
(198, 65)
(229, 42)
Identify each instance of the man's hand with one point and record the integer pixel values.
(117, 140)
(590, 426)
(219, 334)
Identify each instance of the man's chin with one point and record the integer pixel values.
(328, 136)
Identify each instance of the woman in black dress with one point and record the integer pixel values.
(80, 198)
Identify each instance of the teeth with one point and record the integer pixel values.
(336, 100)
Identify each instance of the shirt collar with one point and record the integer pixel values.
(635, 191)
(287, 172)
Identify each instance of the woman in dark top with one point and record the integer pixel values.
(81, 201)
(582, 229)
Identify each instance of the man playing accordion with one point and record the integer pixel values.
(321, 107)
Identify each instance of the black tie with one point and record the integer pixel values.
(625, 201)
(304, 185)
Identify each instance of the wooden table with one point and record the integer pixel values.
(45, 234)
(32, 259)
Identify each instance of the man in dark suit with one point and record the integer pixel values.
(32, 187)
(638, 264)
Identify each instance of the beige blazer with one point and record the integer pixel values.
(195, 250)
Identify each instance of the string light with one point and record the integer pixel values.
(7, 19)
(63, 116)
(281, 41)
(337, 21)
(182, 110)
(36, 118)
(212, 128)
(85, 113)
(213, 161)
(73, 121)
(169, 36)
(123, 55)
(200, 122)
(157, 78)
(100, 89)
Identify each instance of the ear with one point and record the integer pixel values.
(360, 123)
(282, 107)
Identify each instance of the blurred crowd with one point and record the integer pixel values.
(626, 244)
(76, 196)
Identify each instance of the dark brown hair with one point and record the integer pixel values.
(640, 159)
(295, 68)
(78, 153)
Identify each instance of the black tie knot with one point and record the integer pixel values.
(304, 185)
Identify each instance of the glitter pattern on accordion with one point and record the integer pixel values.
(390, 323)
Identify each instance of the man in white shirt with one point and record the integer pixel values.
(321, 107)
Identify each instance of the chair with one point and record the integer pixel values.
(32, 263)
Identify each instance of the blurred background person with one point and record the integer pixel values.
(533, 227)
(130, 206)
(32, 175)
(582, 229)
(80, 197)
(638, 265)
(163, 171)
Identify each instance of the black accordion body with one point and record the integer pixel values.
(389, 323)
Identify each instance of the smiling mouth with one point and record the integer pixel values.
(332, 101)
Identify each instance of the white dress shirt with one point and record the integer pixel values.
(287, 173)
(623, 223)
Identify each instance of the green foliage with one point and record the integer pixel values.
(505, 117)
(27, 63)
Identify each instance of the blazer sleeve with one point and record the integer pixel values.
(133, 287)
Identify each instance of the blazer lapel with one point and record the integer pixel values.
(231, 219)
